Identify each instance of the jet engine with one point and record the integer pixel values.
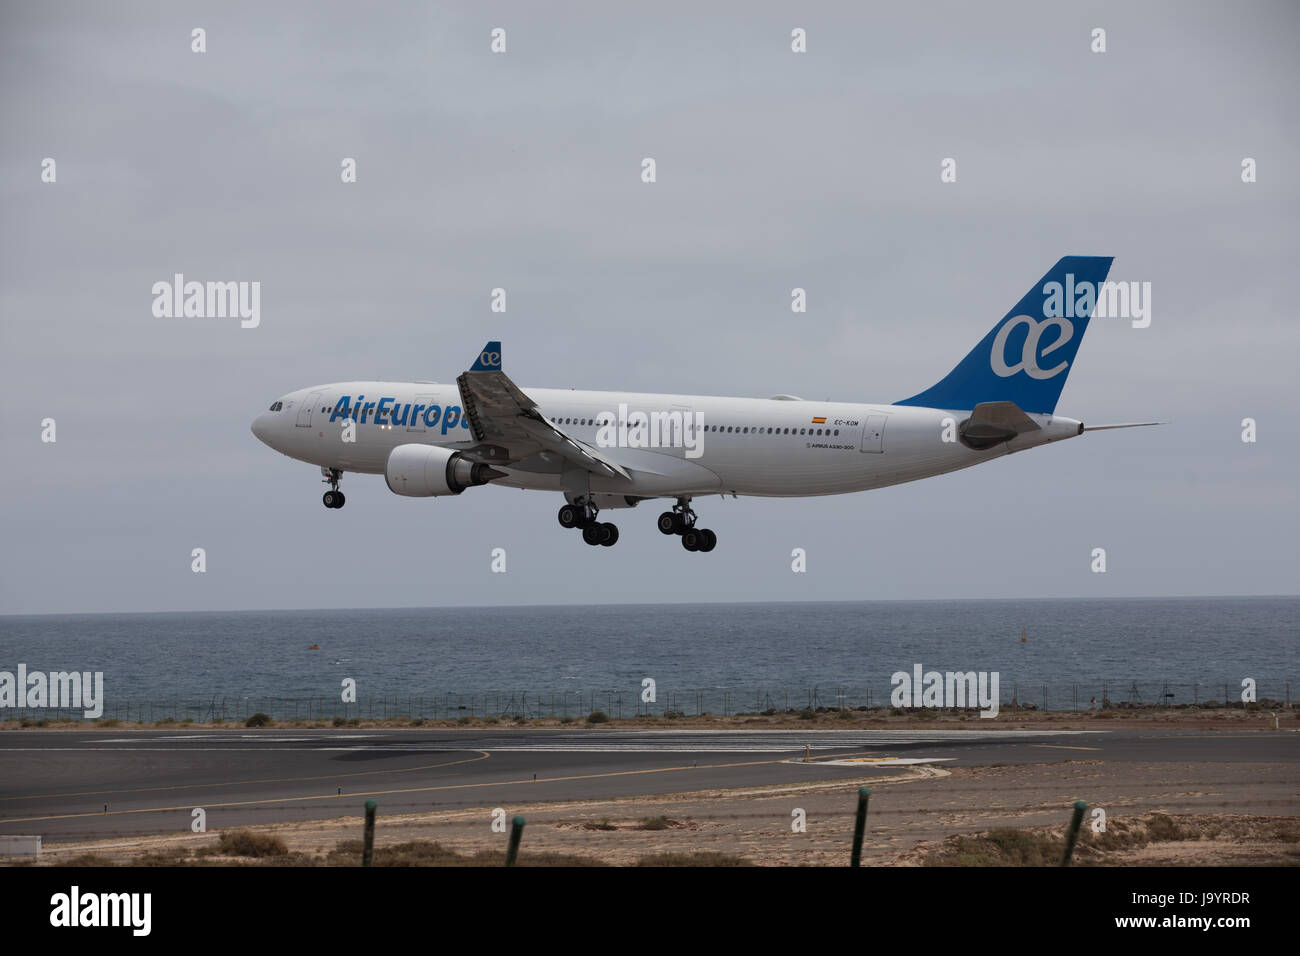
(422, 471)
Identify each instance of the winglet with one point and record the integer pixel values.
(489, 360)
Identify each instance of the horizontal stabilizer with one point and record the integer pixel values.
(992, 423)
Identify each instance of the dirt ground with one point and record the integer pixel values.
(1225, 814)
(1255, 716)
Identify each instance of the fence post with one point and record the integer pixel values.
(368, 849)
(860, 826)
(516, 833)
(1073, 835)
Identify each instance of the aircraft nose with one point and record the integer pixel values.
(260, 427)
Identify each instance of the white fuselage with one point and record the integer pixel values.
(748, 446)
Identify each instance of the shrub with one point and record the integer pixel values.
(247, 843)
(698, 858)
(258, 719)
(598, 717)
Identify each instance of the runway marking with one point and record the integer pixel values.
(171, 737)
(377, 793)
(235, 783)
(872, 761)
(1259, 735)
(778, 741)
(1062, 747)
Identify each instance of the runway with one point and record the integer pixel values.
(86, 785)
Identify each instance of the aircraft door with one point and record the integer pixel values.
(304, 413)
(873, 433)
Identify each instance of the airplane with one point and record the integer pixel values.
(613, 450)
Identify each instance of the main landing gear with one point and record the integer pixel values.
(582, 514)
(681, 520)
(333, 498)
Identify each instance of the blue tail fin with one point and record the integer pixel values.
(1027, 356)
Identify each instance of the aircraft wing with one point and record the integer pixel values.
(506, 420)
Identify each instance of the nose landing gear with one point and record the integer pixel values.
(333, 498)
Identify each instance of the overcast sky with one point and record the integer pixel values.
(522, 170)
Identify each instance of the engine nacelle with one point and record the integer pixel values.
(422, 471)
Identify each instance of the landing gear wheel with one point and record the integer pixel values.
(332, 498)
(609, 534)
(710, 540)
(668, 523)
(341, 498)
(570, 516)
(692, 539)
(593, 533)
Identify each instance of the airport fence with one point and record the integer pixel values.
(1015, 696)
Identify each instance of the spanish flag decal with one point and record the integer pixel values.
(819, 421)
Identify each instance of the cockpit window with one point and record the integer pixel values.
(276, 406)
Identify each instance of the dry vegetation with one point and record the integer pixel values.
(1120, 843)
(1206, 715)
(248, 848)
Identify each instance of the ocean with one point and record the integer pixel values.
(701, 657)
